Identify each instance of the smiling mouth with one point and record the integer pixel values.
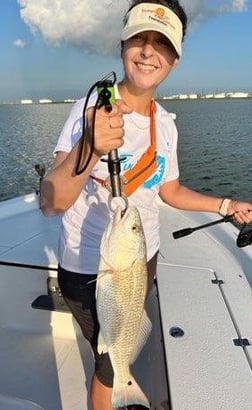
(146, 67)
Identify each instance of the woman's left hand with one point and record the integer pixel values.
(242, 211)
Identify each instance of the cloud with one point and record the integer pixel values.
(86, 24)
(19, 43)
(95, 25)
(239, 5)
(199, 11)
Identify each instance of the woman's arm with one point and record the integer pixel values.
(62, 186)
(181, 197)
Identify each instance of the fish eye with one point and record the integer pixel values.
(135, 228)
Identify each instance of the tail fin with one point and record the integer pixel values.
(127, 393)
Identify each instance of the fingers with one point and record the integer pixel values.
(118, 109)
(111, 120)
(109, 126)
(243, 217)
(121, 107)
(242, 211)
(115, 116)
(115, 122)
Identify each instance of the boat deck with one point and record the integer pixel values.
(44, 359)
(199, 358)
(45, 362)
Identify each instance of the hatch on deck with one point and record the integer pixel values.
(206, 368)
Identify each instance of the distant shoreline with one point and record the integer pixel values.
(38, 103)
(216, 96)
(176, 97)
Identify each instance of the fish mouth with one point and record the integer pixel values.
(121, 214)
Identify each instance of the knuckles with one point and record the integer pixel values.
(109, 127)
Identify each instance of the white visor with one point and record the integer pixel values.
(154, 17)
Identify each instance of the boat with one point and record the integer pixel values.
(199, 353)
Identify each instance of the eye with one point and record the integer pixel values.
(136, 39)
(135, 228)
(165, 46)
(137, 36)
(165, 43)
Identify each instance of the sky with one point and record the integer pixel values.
(58, 48)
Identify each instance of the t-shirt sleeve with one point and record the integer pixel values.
(169, 132)
(72, 130)
(173, 168)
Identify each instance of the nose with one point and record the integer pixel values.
(147, 49)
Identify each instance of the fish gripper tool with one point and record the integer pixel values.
(106, 97)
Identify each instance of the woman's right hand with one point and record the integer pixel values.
(109, 127)
(61, 187)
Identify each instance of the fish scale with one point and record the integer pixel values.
(121, 293)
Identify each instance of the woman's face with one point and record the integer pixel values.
(148, 58)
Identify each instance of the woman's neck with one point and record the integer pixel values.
(138, 101)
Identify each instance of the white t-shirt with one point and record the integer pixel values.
(84, 222)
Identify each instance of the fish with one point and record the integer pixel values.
(120, 300)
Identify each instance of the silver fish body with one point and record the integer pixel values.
(121, 293)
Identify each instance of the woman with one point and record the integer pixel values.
(151, 48)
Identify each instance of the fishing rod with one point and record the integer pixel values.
(188, 231)
(244, 238)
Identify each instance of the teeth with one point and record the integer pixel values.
(146, 67)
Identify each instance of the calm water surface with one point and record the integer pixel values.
(215, 144)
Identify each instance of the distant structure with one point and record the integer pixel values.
(193, 96)
(221, 95)
(238, 95)
(45, 101)
(26, 102)
(69, 100)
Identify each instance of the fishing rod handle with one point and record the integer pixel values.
(188, 231)
(182, 232)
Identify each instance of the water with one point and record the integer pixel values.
(28, 134)
(215, 145)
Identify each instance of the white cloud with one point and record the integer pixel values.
(95, 25)
(239, 5)
(87, 24)
(19, 43)
(201, 10)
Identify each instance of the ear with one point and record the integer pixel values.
(175, 63)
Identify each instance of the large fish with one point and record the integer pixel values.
(121, 293)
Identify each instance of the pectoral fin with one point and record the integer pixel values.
(102, 347)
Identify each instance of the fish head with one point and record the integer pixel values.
(123, 241)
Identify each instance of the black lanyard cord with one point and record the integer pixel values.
(102, 100)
